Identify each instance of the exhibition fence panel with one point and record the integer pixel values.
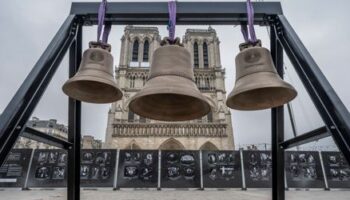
(303, 169)
(138, 169)
(48, 168)
(13, 172)
(257, 169)
(97, 167)
(221, 169)
(337, 170)
(180, 169)
(26, 168)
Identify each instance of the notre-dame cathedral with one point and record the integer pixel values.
(126, 130)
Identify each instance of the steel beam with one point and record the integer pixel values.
(74, 123)
(277, 126)
(332, 110)
(20, 108)
(188, 13)
(310, 136)
(39, 136)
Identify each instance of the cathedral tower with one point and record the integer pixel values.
(126, 130)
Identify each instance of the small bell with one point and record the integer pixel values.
(94, 82)
(258, 86)
(170, 93)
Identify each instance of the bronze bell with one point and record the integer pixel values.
(170, 93)
(94, 82)
(258, 86)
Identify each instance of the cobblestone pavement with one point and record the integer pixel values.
(106, 194)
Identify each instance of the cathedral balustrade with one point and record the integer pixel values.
(170, 130)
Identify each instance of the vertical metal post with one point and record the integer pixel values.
(285, 181)
(244, 186)
(74, 124)
(159, 169)
(201, 169)
(115, 182)
(25, 186)
(326, 187)
(277, 126)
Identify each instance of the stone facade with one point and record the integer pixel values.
(126, 130)
(89, 142)
(50, 127)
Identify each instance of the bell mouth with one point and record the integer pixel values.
(169, 107)
(170, 98)
(262, 98)
(91, 91)
(254, 92)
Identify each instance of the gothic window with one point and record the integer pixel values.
(195, 55)
(132, 81)
(207, 84)
(197, 81)
(145, 51)
(210, 117)
(205, 55)
(135, 51)
(130, 116)
(144, 80)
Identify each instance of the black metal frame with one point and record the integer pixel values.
(283, 37)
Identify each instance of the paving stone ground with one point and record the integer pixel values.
(167, 194)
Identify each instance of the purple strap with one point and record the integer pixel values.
(101, 19)
(172, 19)
(106, 31)
(244, 29)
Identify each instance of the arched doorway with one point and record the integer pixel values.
(171, 144)
(209, 146)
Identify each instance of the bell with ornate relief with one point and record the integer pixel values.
(170, 93)
(258, 86)
(94, 82)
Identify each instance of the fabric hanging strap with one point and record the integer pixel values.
(249, 31)
(106, 31)
(101, 23)
(244, 30)
(172, 19)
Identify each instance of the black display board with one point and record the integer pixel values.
(180, 169)
(257, 169)
(303, 169)
(337, 170)
(222, 169)
(97, 167)
(138, 169)
(48, 169)
(14, 171)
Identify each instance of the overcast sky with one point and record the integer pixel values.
(28, 26)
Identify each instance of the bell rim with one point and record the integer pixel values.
(118, 94)
(206, 107)
(263, 75)
(231, 101)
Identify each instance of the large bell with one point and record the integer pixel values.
(258, 86)
(170, 93)
(94, 81)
